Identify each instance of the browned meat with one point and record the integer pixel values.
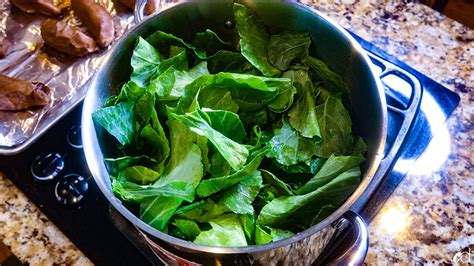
(65, 38)
(96, 19)
(17, 94)
(150, 7)
(4, 46)
(45, 7)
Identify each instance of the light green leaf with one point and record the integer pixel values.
(289, 148)
(226, 231)
(235, 153)
(145, 61)
(239, 197)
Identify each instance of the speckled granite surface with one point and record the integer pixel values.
(428, 219)
(29, 234)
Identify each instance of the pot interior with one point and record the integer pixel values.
(184, 20)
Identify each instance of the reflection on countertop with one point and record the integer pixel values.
(428, 219)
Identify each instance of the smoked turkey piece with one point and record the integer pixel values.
(17, 94)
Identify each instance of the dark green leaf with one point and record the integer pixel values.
(333, 167)
(210, 186)
(254, 40)
(286, 47)
(217, 100)
(162, 41)
(117, 164)
(302, 115)
(335, 192)
(157, 211)
(281, 186)
(226, 61)
(331, 81)
(335, 125)
(323, 213)
(218, 165)
(189, 228)
(225, 122)
(154, 144)
(248, 223)
(118, 120)
(208, 43)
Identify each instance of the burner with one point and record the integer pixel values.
(78, 208)
(71, 189)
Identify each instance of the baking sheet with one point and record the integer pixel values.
(29, 59)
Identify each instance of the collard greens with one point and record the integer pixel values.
(231, 145)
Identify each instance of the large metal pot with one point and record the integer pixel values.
(332, 43)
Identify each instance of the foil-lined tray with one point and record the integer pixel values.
(66, 76)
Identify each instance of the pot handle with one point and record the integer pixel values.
(139, 11)
(349, 244)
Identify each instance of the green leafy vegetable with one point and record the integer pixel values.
(230, 145)
(254, 40)
(289, 147)
(334, 166)
(201, 211)
(138, 174)
(235, 153)
(302, 115)
(239, 197)
(226, 61)
(335, 191)
(189, 228)
(129, 190)
(286, 47)
(145, 60)
(336, 132)
(210, 186)
(226, 231)
(266, 234)
(208, 43)
(118, 120)
(332, 81)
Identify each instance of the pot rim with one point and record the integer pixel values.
(93, 152)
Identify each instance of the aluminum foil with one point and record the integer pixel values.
(29, 59)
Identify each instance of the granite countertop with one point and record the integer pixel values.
(429, 217)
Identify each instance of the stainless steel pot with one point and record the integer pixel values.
(332, 43)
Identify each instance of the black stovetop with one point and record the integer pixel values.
(89, 226)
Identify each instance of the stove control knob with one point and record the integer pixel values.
(71, 189)
(45, 168)
(73, 137)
